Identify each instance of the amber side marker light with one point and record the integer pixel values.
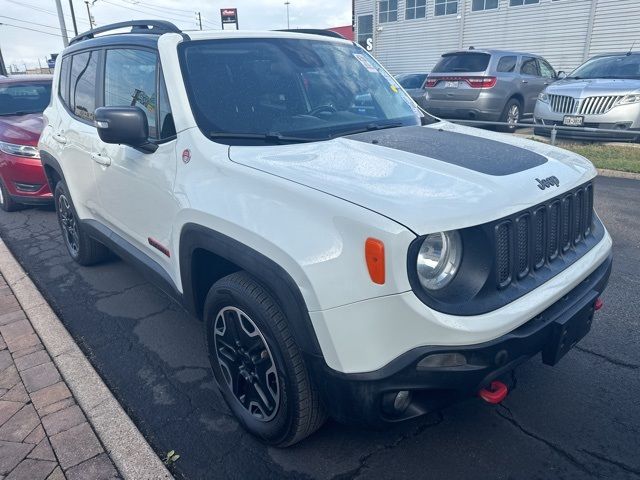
(374, 255)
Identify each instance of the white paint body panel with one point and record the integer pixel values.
(310, 208)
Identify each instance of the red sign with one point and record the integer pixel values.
(229, 15)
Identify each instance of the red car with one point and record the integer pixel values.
(22, 101)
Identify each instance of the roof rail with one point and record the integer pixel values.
(314, 31)
(156, 27)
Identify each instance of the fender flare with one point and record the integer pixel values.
(273, 277)
(49, 161)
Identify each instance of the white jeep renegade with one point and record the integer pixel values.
(349, 255)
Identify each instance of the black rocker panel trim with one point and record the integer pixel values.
(273, 277)
(474, 153)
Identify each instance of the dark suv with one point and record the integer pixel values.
(491, 85)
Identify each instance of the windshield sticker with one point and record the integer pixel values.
(394, 89)
(363, 60)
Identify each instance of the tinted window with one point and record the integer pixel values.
(529, 66)
(546, 70)
(611, 66)
(507, 64)
(462, 62)
(411, 80)
(83, 84)
(130, 80)
(365, 31)
(167, 127)
(64, 80)
(23, 98)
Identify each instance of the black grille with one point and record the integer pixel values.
(528, 240)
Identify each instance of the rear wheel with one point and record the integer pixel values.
(7, 203)
(511, 115)
(82, 248)
(257, 364)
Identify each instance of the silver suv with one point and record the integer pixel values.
(491, 85)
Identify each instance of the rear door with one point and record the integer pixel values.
(531, 82)
(450, 78)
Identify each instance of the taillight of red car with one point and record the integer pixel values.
(473, 82)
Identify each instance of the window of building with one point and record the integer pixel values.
(483, 5)
(529, 66)
(517, 3)
(82, 91)
(130, 80)
(507, 64)
(365, 32)
(387, 11)
(416, 9)
(446, 7)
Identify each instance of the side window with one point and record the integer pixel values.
(507, 64)
(546, 70)
(529, 66)
(130, 80)
(82, 91)
(167, 127)
(63, 82)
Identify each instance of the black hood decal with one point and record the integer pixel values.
(475, 153)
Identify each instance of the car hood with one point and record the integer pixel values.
(21, 129)
(432, 178)
(594, 87)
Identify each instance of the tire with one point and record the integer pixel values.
(82, 248)
(513, 107)
(267, 356)
(7, 203)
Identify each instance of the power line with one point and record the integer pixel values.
(32, 23)
(31, 29)
(142, 11)
(38, 8)
(160, 10)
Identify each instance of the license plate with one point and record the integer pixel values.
(568, 331)
(573, 121)
(451, 84)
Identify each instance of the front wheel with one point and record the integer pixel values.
(257, 364)
(511, 116)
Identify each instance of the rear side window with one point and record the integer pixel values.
(529, 66)
(63, 88)
(82, 92)
(507, 64)
(130, 80)
(412, 80)
(462, 62)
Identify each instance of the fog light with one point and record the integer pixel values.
(442, 360)
(402, 401)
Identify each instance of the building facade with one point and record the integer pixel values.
(410, 35)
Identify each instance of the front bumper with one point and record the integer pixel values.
(362, 398)
(25, 179)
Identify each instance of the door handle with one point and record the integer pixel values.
(525, 81)
(58, 137)
(101, 159)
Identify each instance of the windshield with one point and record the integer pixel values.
(613, 66)
(23, 98)
(311, 89)
(412, 80)
(462, 62)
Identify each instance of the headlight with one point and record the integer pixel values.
(439, 259)
(543, 97)
(629, 99)
(19, 150)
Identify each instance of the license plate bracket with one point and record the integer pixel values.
(573, 120)
(566, 332)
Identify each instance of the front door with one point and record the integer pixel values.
(136, 188)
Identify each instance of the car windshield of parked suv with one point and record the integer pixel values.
(613, 66)
(411, 80)
(304, 90)
(24, 98)
(462, 62)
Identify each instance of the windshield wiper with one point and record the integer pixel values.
(267, 137)
(369, 128)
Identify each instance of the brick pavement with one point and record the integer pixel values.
(44, 435)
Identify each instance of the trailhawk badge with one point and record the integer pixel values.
(548, 182)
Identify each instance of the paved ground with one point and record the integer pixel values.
(580, 419)
(43, 432)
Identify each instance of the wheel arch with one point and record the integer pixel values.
(52, 169)
(206, 255)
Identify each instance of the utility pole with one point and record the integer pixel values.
(91, 22)
(73, 17)
(199, 20)
(63, 27)
(287, 3)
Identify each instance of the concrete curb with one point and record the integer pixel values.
(605, 172)
(124, 443)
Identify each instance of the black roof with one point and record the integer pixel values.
(139, 40)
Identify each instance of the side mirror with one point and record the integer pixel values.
(560, 75)
(125, 126)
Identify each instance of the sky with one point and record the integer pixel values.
(30, 31)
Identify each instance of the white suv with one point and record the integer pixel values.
(349, 255)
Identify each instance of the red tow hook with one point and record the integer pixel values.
(598, 305)
(496, 392)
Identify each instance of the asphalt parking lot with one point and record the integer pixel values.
(580, 419)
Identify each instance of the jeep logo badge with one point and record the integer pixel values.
(548, 182)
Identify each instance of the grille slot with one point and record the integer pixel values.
(598, 105)
(531, 239)
(562, 103)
